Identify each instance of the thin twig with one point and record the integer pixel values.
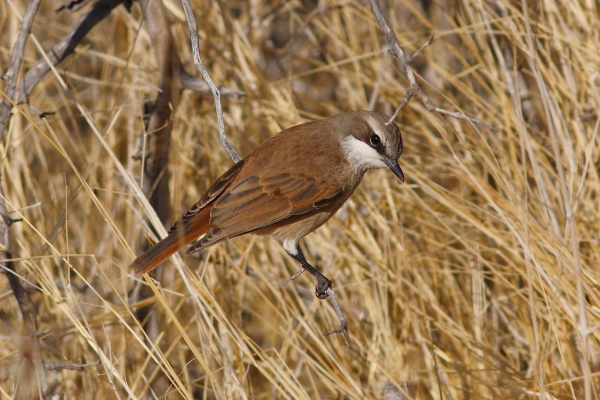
(416, 53)
(67, 44)
(198, 85)
(407, 63)
(409, 94)
(16, 58)
(213, 88)
(59, 366)
(460, 115)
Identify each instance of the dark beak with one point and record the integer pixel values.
(393, 165)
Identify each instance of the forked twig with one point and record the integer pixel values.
(407, 63)
(198, 85)
(189, 14)
(66, 45)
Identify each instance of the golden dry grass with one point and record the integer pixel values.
(478, 279)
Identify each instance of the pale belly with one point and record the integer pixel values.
(297, 229)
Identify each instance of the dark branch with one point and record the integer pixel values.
(30, 351)
(156, 144)
(73, 5)
(65, 46)
(156, 174)
(20, 294)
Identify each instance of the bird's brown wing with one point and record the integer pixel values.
(211, 194)
(193, 224)
(261, 200)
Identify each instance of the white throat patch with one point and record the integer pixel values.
(360, 155)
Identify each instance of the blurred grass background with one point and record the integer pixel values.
(477, 279)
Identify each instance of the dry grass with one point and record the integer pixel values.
(478, 279)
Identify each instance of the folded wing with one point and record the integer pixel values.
(264, 199)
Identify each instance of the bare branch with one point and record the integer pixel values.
(409, 94)
(156, 145)
(198, 85)
(73, 5)
(460, 115)
(58, 366)
(30, 351)
(213, 88)
(407, 62)
(156, 174)
(416, 53)
(14, 65)
(65, 46)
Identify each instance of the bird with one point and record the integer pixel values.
(287, 188)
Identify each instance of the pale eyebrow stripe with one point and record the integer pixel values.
(373, 124)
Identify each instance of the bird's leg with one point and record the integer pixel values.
(323, 289)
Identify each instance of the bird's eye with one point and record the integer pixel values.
(375, 140)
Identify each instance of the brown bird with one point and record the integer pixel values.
(288, 187)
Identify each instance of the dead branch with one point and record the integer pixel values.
(16, 58)
(65, 46)
(29, 350)
(72, 5)
(407, 63)
(59, 366)
(156, 174)
(213, 88)
(198, 85)
(100, 10)
(156, 144)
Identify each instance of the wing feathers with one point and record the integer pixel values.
(213, 192)
(192, 225)
(263, 199)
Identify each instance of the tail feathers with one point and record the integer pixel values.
(158, 253)
(180, 235)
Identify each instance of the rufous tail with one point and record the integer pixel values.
(157, 253)
(177, 239)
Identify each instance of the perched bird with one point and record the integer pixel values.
(288, 187)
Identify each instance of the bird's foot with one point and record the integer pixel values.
(323, 287)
